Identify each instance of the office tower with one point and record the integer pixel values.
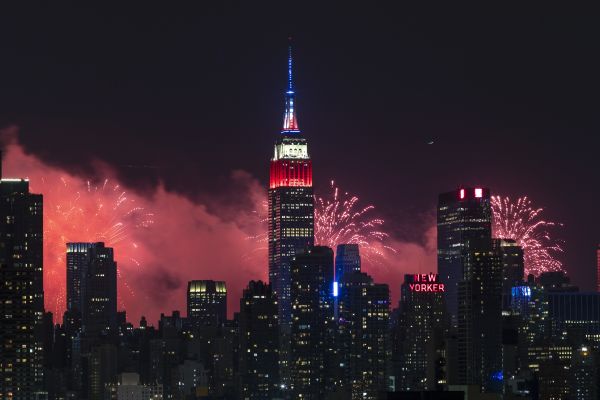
(363, 335)
(556, 281)
(575, 314)
(291, 204)
(259, 342)
(462, 215)
(100, 294)
(21, 290)
(312, 322)
(479, 317)
(347, 259)
(77, 265)
(513, 266)
(206, 303)
(584, 378)
(420, 330)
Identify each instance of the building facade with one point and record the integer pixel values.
(206, 303)
(21, 291)
(290, 202)
(312, 325)
(259, 342)
(462, 215)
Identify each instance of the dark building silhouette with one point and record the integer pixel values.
(312, 322)
(77, 266)
(513, 267)
(462, 215)
(100, 294)
(420, 330)
(347, 259)
(362, 342)
(259, 342)
(479, 331)
(21, 291)
(575, 314)
(206, 303)
(291, 203)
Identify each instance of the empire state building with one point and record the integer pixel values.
(291, 202)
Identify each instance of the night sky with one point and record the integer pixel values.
(509, 97)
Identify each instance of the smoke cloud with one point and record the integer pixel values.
(164, 239)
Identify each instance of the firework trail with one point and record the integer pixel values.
(87, 213)
(339, 219)
(520, 221)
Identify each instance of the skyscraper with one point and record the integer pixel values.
(362, 341)
(420, 329)
(513, 267)
(347, 259)
(21, 290)
(77, 263)
(206, 303)
(462, 215)
(312, 322)
(259, 342)
(100, 300)
(480, 317)
(291, 203)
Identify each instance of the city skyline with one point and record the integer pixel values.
(424, 259)
(424, 226)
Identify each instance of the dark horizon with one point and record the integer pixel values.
(508, 99)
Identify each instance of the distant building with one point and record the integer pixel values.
(480, 318)
(206, 303)
(363, 338)
(21, 290)
(291, 203)
(77, 265)
(513, 267)
(100, 291)
(576, 314)
(420, 329)
(347, 259)
(462, 215)
(312, 322)
(259, 342)
(130, 388)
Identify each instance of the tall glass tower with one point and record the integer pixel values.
(462, 215)
(291, 203)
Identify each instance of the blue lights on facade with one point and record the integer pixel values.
(521, 291)
(335, 289)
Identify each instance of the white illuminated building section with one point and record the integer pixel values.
(291, 149)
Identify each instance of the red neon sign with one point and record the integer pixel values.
(426, 283)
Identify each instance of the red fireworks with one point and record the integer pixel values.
(520, 221)
(340, 219)
(76, 211)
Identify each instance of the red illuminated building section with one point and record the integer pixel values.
(471, 193)
(426, 283)
(290, 173)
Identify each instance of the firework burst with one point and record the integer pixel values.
(85, 212)
(340, 219)
(520, 221)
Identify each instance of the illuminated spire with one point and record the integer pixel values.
(290, 123)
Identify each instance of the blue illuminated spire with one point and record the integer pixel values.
(290, 123)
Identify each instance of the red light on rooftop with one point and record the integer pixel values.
(462, 193)
(479, 192)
